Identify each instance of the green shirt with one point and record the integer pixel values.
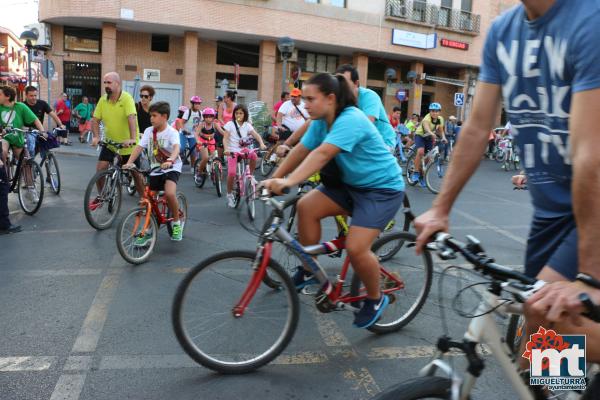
(84, 111)
(115, 116)
(17, 116)
(411, 126)
(434, 125)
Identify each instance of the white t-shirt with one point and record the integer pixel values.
(191, 122)
(166, 139)
(234, 138)
(291, 117)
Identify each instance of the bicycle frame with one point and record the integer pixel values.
(243, 170)
(154, 206)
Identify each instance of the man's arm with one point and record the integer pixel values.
(57, 120)
(279, 119)
(297, 135)
(132, 121)
(465, 160)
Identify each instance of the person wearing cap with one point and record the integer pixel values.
(291, 115)
(450, 133)
(187, 126)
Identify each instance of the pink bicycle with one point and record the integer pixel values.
(244, 185)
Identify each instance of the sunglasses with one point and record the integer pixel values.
(145, 96)
(107, 82)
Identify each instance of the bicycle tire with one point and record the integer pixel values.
(426, 387)
(236, 192)
(499, 155)
(23, 190)
(410, 168)
(217, 361)
(218, 178)
(515, 332)
(432, 173)
(266, 166)
(250, 199)
(114, 189)
(138, 212)
(183, 212)
(54, 177)
(199, 178)
(425, 277)
(409, 153)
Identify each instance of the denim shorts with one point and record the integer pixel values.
(369, 208)
(552, 242)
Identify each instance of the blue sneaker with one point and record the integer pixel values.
(370, 312)
(415, 176)
(302, 278)
(422, 182)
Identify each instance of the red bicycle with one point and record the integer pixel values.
(138, 230)
(238, 310)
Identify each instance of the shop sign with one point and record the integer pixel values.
(151, 75)
(414, 39)
(454, 44)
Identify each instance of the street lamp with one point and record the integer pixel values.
(286, 48)
(30, 38)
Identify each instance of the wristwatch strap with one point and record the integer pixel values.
(588, 280)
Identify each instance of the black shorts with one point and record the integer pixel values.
(157, 182)
(64, 133)
(108, 155)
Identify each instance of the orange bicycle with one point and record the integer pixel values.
(144, 222)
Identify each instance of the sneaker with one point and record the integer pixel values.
(177, 233)
(415, 176)
(422, 182)
(302, 278)
(230, 200)
(370, 312)
(143, 241)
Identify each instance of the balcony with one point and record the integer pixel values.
(420, 13)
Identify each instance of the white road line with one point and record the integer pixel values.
(78, 363)
(409, 352)
(88, 337)
(68, 387)
(19, 364)
(492, 227)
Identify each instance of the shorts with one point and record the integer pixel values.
(232, 162)
(369, 208)
(65, 133)
(426, 142)
(552, 242)
(209, 144)
(87, 126)
(157, 182)
(108, 155)
(16, 140)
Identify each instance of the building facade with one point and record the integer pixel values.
(13, 61)
(410, 52)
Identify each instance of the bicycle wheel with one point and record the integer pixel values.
(52, 172)
(434, 175)
(236, 192)
(102, 206)
(414, 271)
(515, 332)
(217, 172)
(134, 243)
(199, 177)
(129, 184)
(250, 192)
(267, 165)
(499, 155)
(207, 328)
(31, 194)
(426, 387)
(183, 212)
(409, 153)
(410, 168)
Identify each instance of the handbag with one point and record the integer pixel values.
(160, 154)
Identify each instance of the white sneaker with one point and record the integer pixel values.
(230, 200)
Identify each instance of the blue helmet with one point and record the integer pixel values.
(435, 107)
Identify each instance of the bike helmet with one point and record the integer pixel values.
(209, 112)
(435, 107)
(182, 109)
(196, 99)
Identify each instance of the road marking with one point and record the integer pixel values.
(329, 330)
(59, 231)
(63, 272)
(306, 357)
(492, 227)
(88, 337)
(19, 364)
(68, 387)
(362, 381)
(410, 352)
(78, 363)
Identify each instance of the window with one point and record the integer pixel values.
(466, 19)
(160, 43)
(466, 5)
(82, 39)
(376, 71)
(247, 82)
(445, 13)
(246, 55)
(312, 62)
(338, 3)
(419, 10)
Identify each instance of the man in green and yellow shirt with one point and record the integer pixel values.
(432, 128)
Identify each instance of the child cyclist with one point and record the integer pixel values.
(368, 184)
(162, 142)
(237, 134)
(206, 137)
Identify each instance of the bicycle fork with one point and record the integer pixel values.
(263, 253)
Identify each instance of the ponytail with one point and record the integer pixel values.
(336, 84)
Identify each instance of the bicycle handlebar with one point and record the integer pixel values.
(108, 142)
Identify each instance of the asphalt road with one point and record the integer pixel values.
(78, 322)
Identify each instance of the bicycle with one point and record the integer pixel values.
(145, 220)
(24, 174)
(434, 168)
(509, 156)
(244, 185)
(48, 160)
(254, 292)
(103, 195)
(214, 169)
(482, 329)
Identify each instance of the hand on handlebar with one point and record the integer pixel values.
(519, 181)
(276, 186)
(129, 142)
(129, 166)
(427, 225)
(558, 300)
(282, 150)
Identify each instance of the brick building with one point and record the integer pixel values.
(13, 61)
(190, 47)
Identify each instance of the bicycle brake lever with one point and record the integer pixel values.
(592, 311)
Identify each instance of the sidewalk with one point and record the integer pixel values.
(77, 149)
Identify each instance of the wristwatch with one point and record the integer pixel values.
(588, 280)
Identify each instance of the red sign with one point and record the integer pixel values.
(454, 44)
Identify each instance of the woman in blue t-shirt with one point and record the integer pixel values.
(361, 179)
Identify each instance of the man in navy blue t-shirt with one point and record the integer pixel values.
(541, 59)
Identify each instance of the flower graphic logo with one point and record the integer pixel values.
(545, 339)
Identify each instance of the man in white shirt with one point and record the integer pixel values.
(291, 115)
(187, 127)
